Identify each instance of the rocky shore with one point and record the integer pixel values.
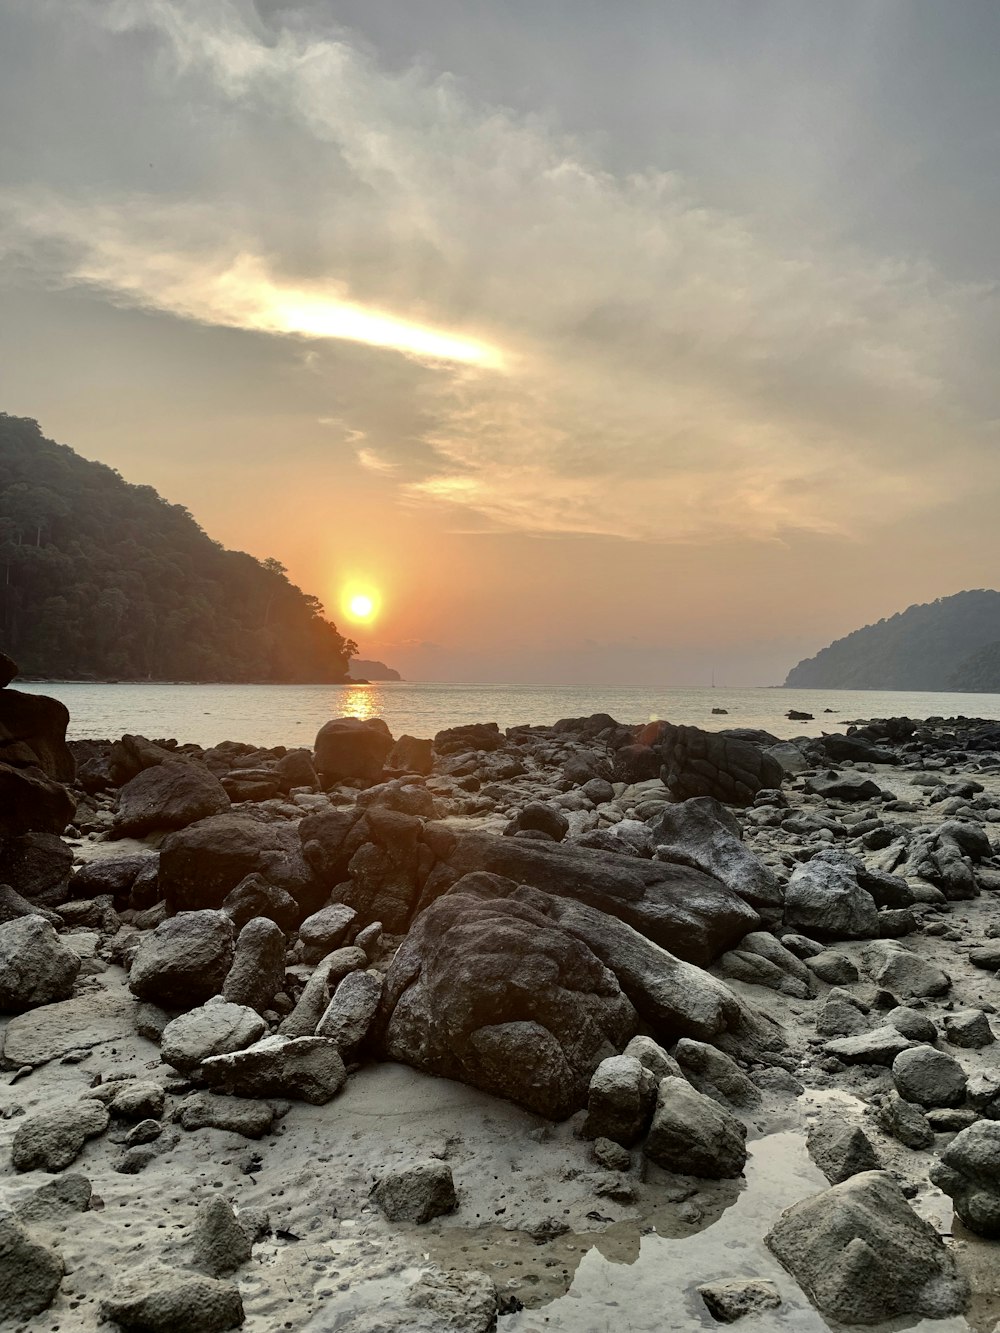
(586, 1026)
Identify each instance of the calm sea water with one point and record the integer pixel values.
(292, 714)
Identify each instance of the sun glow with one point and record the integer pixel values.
(360, 605)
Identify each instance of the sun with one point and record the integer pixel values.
(360, 604)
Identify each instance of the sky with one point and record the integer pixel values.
(628, 344)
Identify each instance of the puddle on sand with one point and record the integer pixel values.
(657, 1290)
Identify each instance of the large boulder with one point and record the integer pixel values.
(620, 1100)
(30, 800)
(258, 970)
(37, 865)
(349, 749)
(387, 870)
(701, 832)
(680, 908)
(36, 967)
(201, 865)
(929, 1077)
(215, 1028)
(169, 796)
(694, 1135)
(492, 993)
(823, 898)
(33, 734)
(184, 961)
(309, 1069)
(905, 973)
(863, 1255)
(969, 1170)
(707, 763)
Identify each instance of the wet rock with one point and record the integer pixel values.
(36, 967)
(715, 1074)
(417, 1193)
(692, 1134)
(620, 1100)
(968, 1028)
(703, 833)
(351, 1011)
(307, 1069)
(464, 1302)
(204, 1110)
(30, 1272)
(863, 1255)
(326, 930)
(167, 1302)
(823, 898)
(215, 1028)
(904, 1122)
(880, 1046)
(493, 994)
(903, 972)
(219, 1243)
(969, 1171)
(169, 796)
(53, 1139)
(349, 749)
(841, 1150)
(731, 1300)
(929, 1077)
(258, 970)
(185, 961)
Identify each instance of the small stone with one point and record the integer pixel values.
(221, 1245)
(243, 1116)
(144, 1132)
(731, 1300)
(913, 1024)
(416, 1193)
(841, 1150)
(968, 1028)
(833, 967)
(612, 1156)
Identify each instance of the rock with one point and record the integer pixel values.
(53, 1139)
(841, 1017)
(904, 1122)
(841, 1150)
(493, 994)
(855, 748)
(762, 961)
(169, 796)
(824, 898)
(219, 1242)
(203, 1110)
(36, 967)
(416, 1193)
(463, 1302)
(703, 833)
(39, 864)
(880, 1046)
(469, 736)
(968, 1028)
(8, 670)
(715, 1074)
(692, 1134)
(184, 961)
(295, 769)
(133, 1099)
(30, 1272)
(620, 1100)
(326, 930)
(348, 749)
(538, 817)
(167, 1302)
(114, 875)
(833, 967)
(903, 972)
(215, 1028)
(308, 1069)
(986, 955)
(946, 857)
(54, 1030)
(983, 1092)
(12, 906)
(913, 1024)
(929, 1077)
(706, 763)
(411, 755)
(863, 1255)
(654, 1058)
(731, 1300)
(969, 1171)
(611, 1155)
(254, 897)
(30, 801)
(66, 1193)
(202, 864)
(33, 735)
(351, 1012)
(843, 786)
(146, 1131)
(313, 1001)
(258, 969)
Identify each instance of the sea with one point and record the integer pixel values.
(291, 715)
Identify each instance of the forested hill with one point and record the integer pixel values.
(950, 644)
(99, 578)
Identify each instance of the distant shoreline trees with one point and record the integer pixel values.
(102, 579)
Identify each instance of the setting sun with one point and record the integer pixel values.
(360, 604)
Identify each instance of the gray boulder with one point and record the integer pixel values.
(841, 1150)
(326, 930)
(416, 1193)
(36, 967)
(168, 1302)
(929, 1077)
(308, 1069)
(732, 1299)
(969, 1171)
(904, 1121)
(184, 961)
(258, 969)
(763, 961)
(315, 997)
(692, 1134)
(169, 796)
(706, 763)
(215, 1028)
(620, 1100)
(880, 1046)
(715, 1074)
(204, 1110)
(255, 897)
(863, 1256)
(650, 1054)
(823, 898)
(53, 1139)
(969, 1029)
(913, 1023)
(348, 749)
(904, 973)
(351, 1011)
(219, 1243)
(30, 1272)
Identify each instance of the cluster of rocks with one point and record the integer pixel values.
(572, 917)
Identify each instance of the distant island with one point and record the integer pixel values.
(362, 669)
(100, 579)
(950, 644)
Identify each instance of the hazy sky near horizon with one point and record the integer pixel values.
(620, 343)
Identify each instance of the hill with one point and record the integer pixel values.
(100, 578)
(363, 669)
(935, 646)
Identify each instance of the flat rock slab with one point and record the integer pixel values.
(52, 1031)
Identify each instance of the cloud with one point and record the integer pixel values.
(595, 352)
